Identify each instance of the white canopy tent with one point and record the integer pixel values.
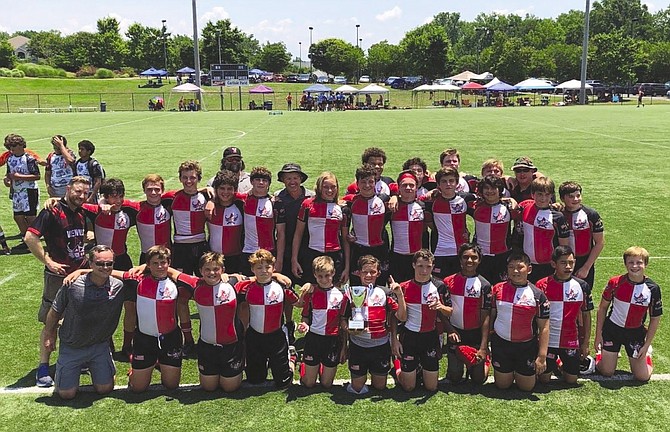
(373, 89)
(186, 88)
(573, 85)
(347, 89)
(433, 88)
(469, 76)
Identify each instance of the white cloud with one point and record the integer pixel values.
(396, 12)
(271, 31)
(217, 13)
(652, 7)
(428, 19)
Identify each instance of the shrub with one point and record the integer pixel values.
(41, 71)
(4, 72)
(103, 73)
(128, 72)
(86, 70)
(17, 73)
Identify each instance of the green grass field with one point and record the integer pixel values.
(618, 153)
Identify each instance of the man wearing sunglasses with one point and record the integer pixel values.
(524, 174)
(90, 307)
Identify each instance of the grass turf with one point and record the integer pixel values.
(617, 153)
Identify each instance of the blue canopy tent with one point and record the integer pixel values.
(186, 70)
(502, 87)
(150, 72)
(153, 73)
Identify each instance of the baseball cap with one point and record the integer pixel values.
(232, 151)
(523, 162)
(292, 168)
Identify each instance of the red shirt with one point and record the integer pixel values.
(583, 223)
(469, 296)
(517, 308)
(449, 217)
(377, 305)
(492, 227)
(324, 221)
(188, 214)
(367, 217)
(266, 304)
(324, 308)
(418, 297)
(407, 226)
(226, 228)
(112, 229)
(541, 230)
(259, 224)
(153, 224)
(156, 304)
(631, 301)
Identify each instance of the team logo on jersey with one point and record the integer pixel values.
(640, 299)
(335, 213)
(223, 295)
(198, 203)
(580, 224)
(122, 221)
(376, 208)
(272, 297)
(416, 214)
(542, 222)
(499, 217)
(161, 215)
(335, 303)
(523, 299)
(458, 207)
(167, 292)
(231, 218)
(264, 211)
(376, 300)
(471, 291)
(430, 297)
(75, 249)
(571, 294)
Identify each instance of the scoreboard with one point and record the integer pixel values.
(229, 74)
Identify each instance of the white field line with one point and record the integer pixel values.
(7, 278)
(5, 391)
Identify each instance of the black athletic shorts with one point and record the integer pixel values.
(540, 271)
(615, 336)
(420, 348)
(186, 256)
(165, 349)
(400, 267)
(376, 360)
(380, 252)
(320, 349)
(123, 262)
(570, 357)
(265, 349)
(516, 357)
(494, 267)
(471, 338)
(446, 266)
(307, 256)
(223, 360)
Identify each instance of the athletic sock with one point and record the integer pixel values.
(302, 370)
(186, 331)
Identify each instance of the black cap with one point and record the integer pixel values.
(292, 168)
(232, 151)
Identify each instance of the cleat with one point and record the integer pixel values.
(42, 377)
(587, 365)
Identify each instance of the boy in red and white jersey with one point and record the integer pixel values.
(226, 224)
(419, 342)
(323, 321)
(449, 210)
(263, 301)
(377, 312)
(260, 220)
(570, 306)
(376, 158)
(408, 225)
(541, 227)
(493, 222)
(520, 316)
(632, 296)
(426, 182)
(153, 216)
(469, 323)
(221, 342)
(587, 233)
(365, 213)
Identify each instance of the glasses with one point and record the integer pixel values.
(522, 170)
(104, 263)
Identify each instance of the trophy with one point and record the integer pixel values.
(358, 296)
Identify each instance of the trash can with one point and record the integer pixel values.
(103, 106)
(267, 105)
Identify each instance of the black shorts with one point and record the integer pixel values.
(494, 267)
(376, 360)
(540, 271)
(233, 264)
(516, 357)
(320, 349)
(570, 357)
(579, 263)
(471, 338)
(307, 255)
(420, 348)
(446, 266)
(123, 262)
(186, 256)
(33, 202)
(265, 349)
(223, 360)
(379, 252)
(165, 349)
(400, 267)
(614, 336)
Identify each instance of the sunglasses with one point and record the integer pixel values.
(104, 263)
(522, 170)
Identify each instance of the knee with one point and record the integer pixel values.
(307, 383)
(104, 389)
(642, 377)
(67, 394)
(408, 387)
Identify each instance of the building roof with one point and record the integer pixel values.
(18, 41)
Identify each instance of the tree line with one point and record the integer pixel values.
(627, 44)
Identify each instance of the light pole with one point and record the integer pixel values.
(218, 41)
(196, 54)
(357, 27)
(300, 57)
(165, 47)
(585, 52)
(310, 50)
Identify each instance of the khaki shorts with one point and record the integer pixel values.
(52, 283)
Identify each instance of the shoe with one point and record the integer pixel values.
(292, 354)
(188, 351)
(42, 377)
(649, 352)
(364, 390)
(5, 250)
(587, 365)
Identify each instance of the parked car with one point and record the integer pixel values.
(205, 80)
(292, 78)
(650, 89)
(323, 79)
(340, 80)
(390, 80)
(304, 78)
(364, 79)
(407, 82)
(279, 78)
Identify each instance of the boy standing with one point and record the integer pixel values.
(59, 170)
(89, 167)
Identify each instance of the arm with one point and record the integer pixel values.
(36, 248)
(586, 325)
(599, 244)
(94, 189)
(50, 328)
(281, 245)
(651, 332)
(600, 320)
(401, 313)
(543, 337)
(296, 268)
(346, 249)
(243, 313)
(396, 347)
(486, 325)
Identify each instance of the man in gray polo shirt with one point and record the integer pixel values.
(90, 308)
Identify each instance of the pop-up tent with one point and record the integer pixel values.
(187, 88)
(318, 88)
(186, 70)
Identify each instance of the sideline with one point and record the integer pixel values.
(8, 278)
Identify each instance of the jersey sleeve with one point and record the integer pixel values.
(280, 212)
(595, 220)
(290, 296)
(610, 288)
(443, 292)
(303, 213)
(242, 289)
(562, 227)
(41, 223)
(486, 294)
(60, 301)
(656, 305)
(542, 304)
(33, 167)
(91, 210)
(47, 168)
(188, 280)
(352, 189)
(588, 298)
(130, 288)
(95, 169)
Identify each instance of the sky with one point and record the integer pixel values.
(285, 21)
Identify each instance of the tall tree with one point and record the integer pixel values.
(628, 16)
(6, 54)
(273, 57)
(425, 49)
(109, 49)
(384, 60)
(335, 56)
(612, 58)
(144, 47)
(572, 23)
(46, 46)
(236, 46)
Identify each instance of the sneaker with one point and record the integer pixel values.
(188, 351)
(292, 354)
(5, 250)
(42, 377)
(587, 366)
(363, 391)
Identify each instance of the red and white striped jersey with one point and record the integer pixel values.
(156, 305)
(367, 219)
(492, 227)
(217, 307)
(188, 214)
(153, 225)
(418, 297)
(407, 225)
(567, 300)
(385, 185)
(259, 224)
(111, 229)
(266, 304)
(323, 309)
(449, 218)
(469, 296)
(517, 308)
(631, 301)
(225, 229)
(541, 230)
(377, 305)
(324, 221)
(583, 223)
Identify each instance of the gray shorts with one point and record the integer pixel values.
(52, 283)
(59, 191)
(97, 357)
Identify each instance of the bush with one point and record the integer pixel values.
(86, 71)
(127, 72)
(17, 73)
(41, 71)
(103, 73)
(4, 72)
